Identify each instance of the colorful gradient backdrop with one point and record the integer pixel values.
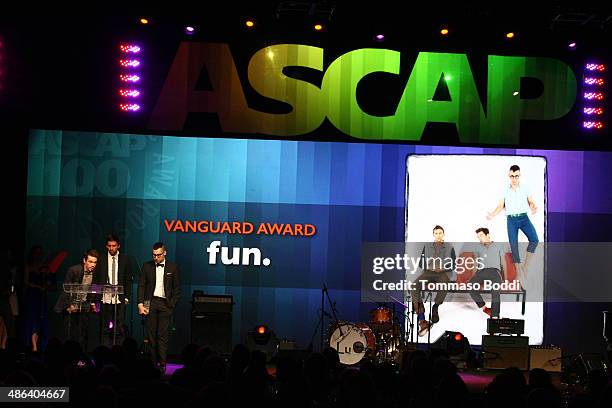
(84, 185)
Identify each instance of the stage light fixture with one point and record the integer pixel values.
(587, 124)
(594, 91)
(189, 30)
(249, 23)
(510, 35)
(595, 67)
(592, 111)
(131, 63)
(453, 343)
(129, 107)
(262, 338)
(572, 45)
(262, 335)
(129, 48)
(594, 81)
(144, 20)
(444, 31)
(379, 37)
(129, 93)
(129, 77)
(318, 27)
(598, 96)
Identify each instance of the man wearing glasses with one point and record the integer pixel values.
(518, 202)
(159, 290)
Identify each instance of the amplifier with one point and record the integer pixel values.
(212, 299)
(545, 357)
(505, 326)
(501, 352)
(505, 341)
(201, 303)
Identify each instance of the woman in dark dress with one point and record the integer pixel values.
(36, 279)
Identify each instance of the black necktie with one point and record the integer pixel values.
(160, 265)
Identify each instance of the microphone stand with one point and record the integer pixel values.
(332, 306)
(325, 293)
(115, 300)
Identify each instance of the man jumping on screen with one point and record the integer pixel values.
(518, 202)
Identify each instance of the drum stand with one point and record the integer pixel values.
(430, 295)
(413, 324)
(406, 334)
(410, 323)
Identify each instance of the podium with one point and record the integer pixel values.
(78, 293)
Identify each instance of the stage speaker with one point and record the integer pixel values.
(545, 357)
(501, 352)
(213, 330)
(211, 321)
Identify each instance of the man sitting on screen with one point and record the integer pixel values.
(491, 258)
(437, 260)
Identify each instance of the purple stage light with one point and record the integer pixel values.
(129, 78)
(129, 63)
(129, 107)
(592, 125)
(129, 93)
(129, 48)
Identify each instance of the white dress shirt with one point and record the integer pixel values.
(159, 281)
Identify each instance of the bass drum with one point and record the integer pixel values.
(353, 342)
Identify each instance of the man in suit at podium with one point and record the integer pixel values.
(79, 305)
(159, 290)
(114, 268)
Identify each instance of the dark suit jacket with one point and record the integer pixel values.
(75, 275)
(172, 283)
(124, 273)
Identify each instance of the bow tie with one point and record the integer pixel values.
(159, 265)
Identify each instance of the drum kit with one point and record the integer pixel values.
(377, 341)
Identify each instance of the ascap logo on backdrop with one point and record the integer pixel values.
(495, 121)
